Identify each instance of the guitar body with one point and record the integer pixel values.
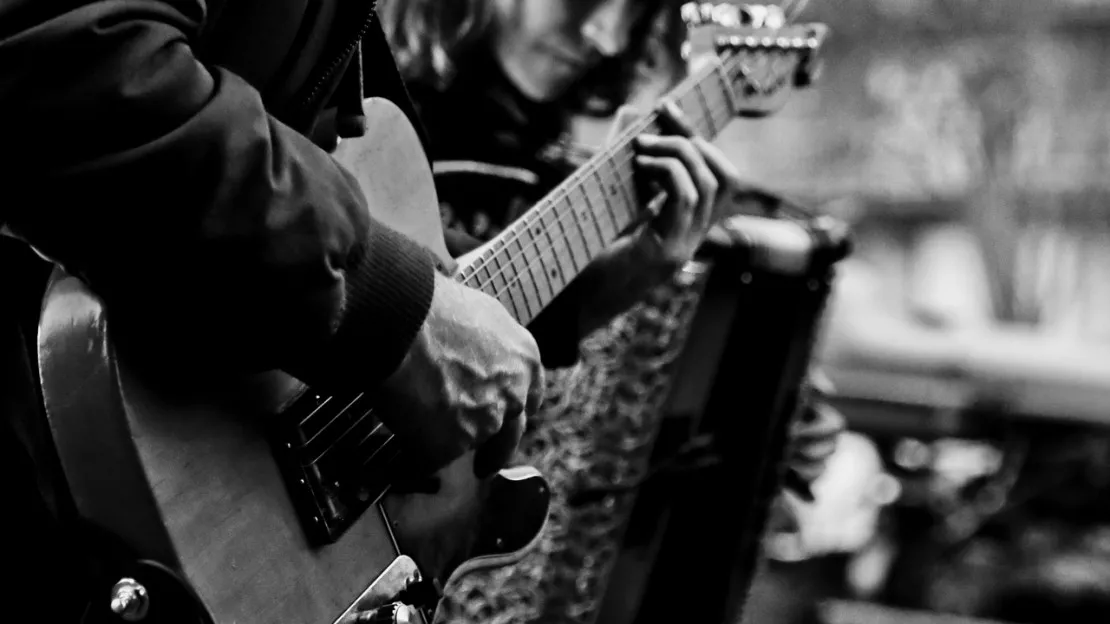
(193, 478)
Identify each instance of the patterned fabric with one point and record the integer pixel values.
(596, 430)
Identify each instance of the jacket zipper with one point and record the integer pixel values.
(309, 99)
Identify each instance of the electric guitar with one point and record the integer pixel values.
(273, 502)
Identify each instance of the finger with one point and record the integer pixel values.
(700, 172)
(820, 382)
(792, 483)
(817, 450)
(673, 121)
(625, 117)
(808, 472)
(784, 519)
(535, 392)
(819, 420)
(724, 172)
(498, 451)
(675, 216)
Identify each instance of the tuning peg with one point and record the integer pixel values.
(729, 15)
(808, 70)
(810, 64)
(762, 16)
(697, 14)
(723, 14)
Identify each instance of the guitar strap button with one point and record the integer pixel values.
(129, 600)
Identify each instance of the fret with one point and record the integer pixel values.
(598, 190)
(603, 237)
(710, 126)
(517, 301)
(499, 280)
(687, 108)
(620, 172)
(603, 189)
(533, 258)
(530, 299)
(511, 290)
(578, 260)
(465, 275)
(718, 108)
(509, 299)
(555, 271)
(580, 214)
(718, 103)
(726, 88)
(484, 274)
(690, 105)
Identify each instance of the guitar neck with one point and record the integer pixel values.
(536, 257)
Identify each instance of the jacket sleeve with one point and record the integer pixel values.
(192, 212)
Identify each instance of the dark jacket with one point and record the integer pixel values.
(157, 149)
(171, 188)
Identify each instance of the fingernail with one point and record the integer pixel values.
(646, 140)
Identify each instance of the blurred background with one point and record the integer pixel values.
(968, 144)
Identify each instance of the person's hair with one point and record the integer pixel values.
(431, 39)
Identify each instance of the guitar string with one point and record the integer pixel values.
(551, 251)
(356, 454)
(545, 253)
(733, 67)
(336, 443)
(556, 246)
(563, 245)
(621, 142)
(563, 192)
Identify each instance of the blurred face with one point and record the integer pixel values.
(545, 46)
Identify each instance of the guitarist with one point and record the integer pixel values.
(497, 83)
(160, 149)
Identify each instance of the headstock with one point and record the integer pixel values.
(766, 55)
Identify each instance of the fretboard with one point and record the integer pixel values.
(537, 256)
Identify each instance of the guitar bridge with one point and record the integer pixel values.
(334, 456)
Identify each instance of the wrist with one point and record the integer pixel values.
(441, 290)
(648, 255)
